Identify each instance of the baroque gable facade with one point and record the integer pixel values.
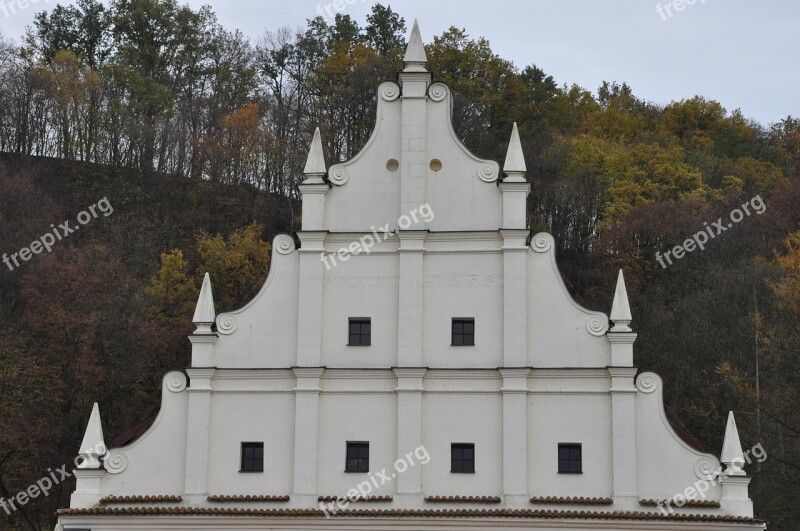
(416, 350)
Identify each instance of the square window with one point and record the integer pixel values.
(360, 333)
(463, 332)
(252, 457)
(570, 459)
(462, 458)
(357, 457)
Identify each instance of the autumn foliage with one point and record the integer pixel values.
(198, 138)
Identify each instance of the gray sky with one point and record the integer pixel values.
(742, 53)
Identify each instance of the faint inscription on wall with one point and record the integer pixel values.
(447, 280)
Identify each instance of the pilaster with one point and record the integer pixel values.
(203, 349)
(515, 435)
(306, 430)
(197, 435)
(735, 498)
(515, 297)
(410, 296)
(310, 293)
(623, 433)
(87, 488)
(409, 425)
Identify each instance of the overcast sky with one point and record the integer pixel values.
(742, 53)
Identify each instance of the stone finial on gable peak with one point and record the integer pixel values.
(514, 166)
(204, 313)
(621, 309)
(315, 168)
(415, 58)
(93, 446)
(732, 456)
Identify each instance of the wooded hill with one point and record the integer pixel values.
(197, 137)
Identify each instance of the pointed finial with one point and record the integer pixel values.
(514, 166)
(315, 164)
(204, 314)
(732, 456)
(415, 57)
(93, 446)
(621, 309)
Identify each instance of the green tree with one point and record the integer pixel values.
(385, 30)
(485, 86)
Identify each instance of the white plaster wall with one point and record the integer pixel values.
(460, 199)
(452, 417)
(463, 286)
(363, 286)
(558, 327)
(569, 418)
(665, 464)
(371, 195)
(249, 416)
(264, 332)
(356, 417)
(158, 453)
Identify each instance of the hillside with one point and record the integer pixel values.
(189, 143)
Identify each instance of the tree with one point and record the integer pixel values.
(172, 290)
(385, 30)
(238, 267)
(486, 88)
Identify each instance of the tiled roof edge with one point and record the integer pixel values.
(246, 498)
(576, 500)
(431, 513)
(142, 499)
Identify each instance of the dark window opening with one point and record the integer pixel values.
(360, 333)
(252, 457)
(357, 457)
(463, 332)
(462, 458)
(569, 459)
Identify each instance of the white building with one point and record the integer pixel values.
(439, 365)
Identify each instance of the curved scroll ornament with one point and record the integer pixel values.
(284, 244)
(489, 172)
(389, 91)
(176, 382)
(596, 326)
(437, 92)
(706, 468)
(116, 463)
(338, 176)
(647, 383)
(542, 242)
(226, 324)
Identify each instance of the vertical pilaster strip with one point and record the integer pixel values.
(410, 297)
(515, 298)
(414, 148)
(515, 433)
(309, 318)
(197, 434)
(306, 429)
(623, 433)
(409, 425)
